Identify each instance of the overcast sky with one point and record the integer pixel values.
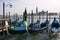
(20, 5)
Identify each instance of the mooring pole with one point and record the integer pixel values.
(3, 10)
(59, 17)
(14, 16)
(47, 15)
(32, 17)
(9, 15)
(39, 17)
(6, 16)
(43, 15)
(3, 13)
(29, 17)
(47, 20)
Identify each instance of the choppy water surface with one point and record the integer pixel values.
(27, 36)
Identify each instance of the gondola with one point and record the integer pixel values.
(38, 27)
(55, 27)
(17, 30)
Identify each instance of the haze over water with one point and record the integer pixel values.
(20, 5)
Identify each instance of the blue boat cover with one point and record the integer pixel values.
(1, 25)
(46, 22)
(55, 23)
(54, 29)
(42, 24)
(32, 24)
(37, 25)
(20, 22)
(11, 22)
(19, 28)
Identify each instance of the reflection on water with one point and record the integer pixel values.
(27, 36)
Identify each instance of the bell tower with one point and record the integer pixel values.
(36, 10)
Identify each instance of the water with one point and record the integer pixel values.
(25, 37)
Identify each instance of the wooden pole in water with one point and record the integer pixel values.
(3, 10)
(14, 16)
(6, 15)
(32, 17)
(47, 20)
(3, 13)
(29, 17)
(59, 17)
(47, 15)
(43, 15)
(9, 15)
(39, 17)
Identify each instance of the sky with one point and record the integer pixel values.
(20, 5)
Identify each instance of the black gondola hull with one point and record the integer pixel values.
(17, 31)
(37, 31)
